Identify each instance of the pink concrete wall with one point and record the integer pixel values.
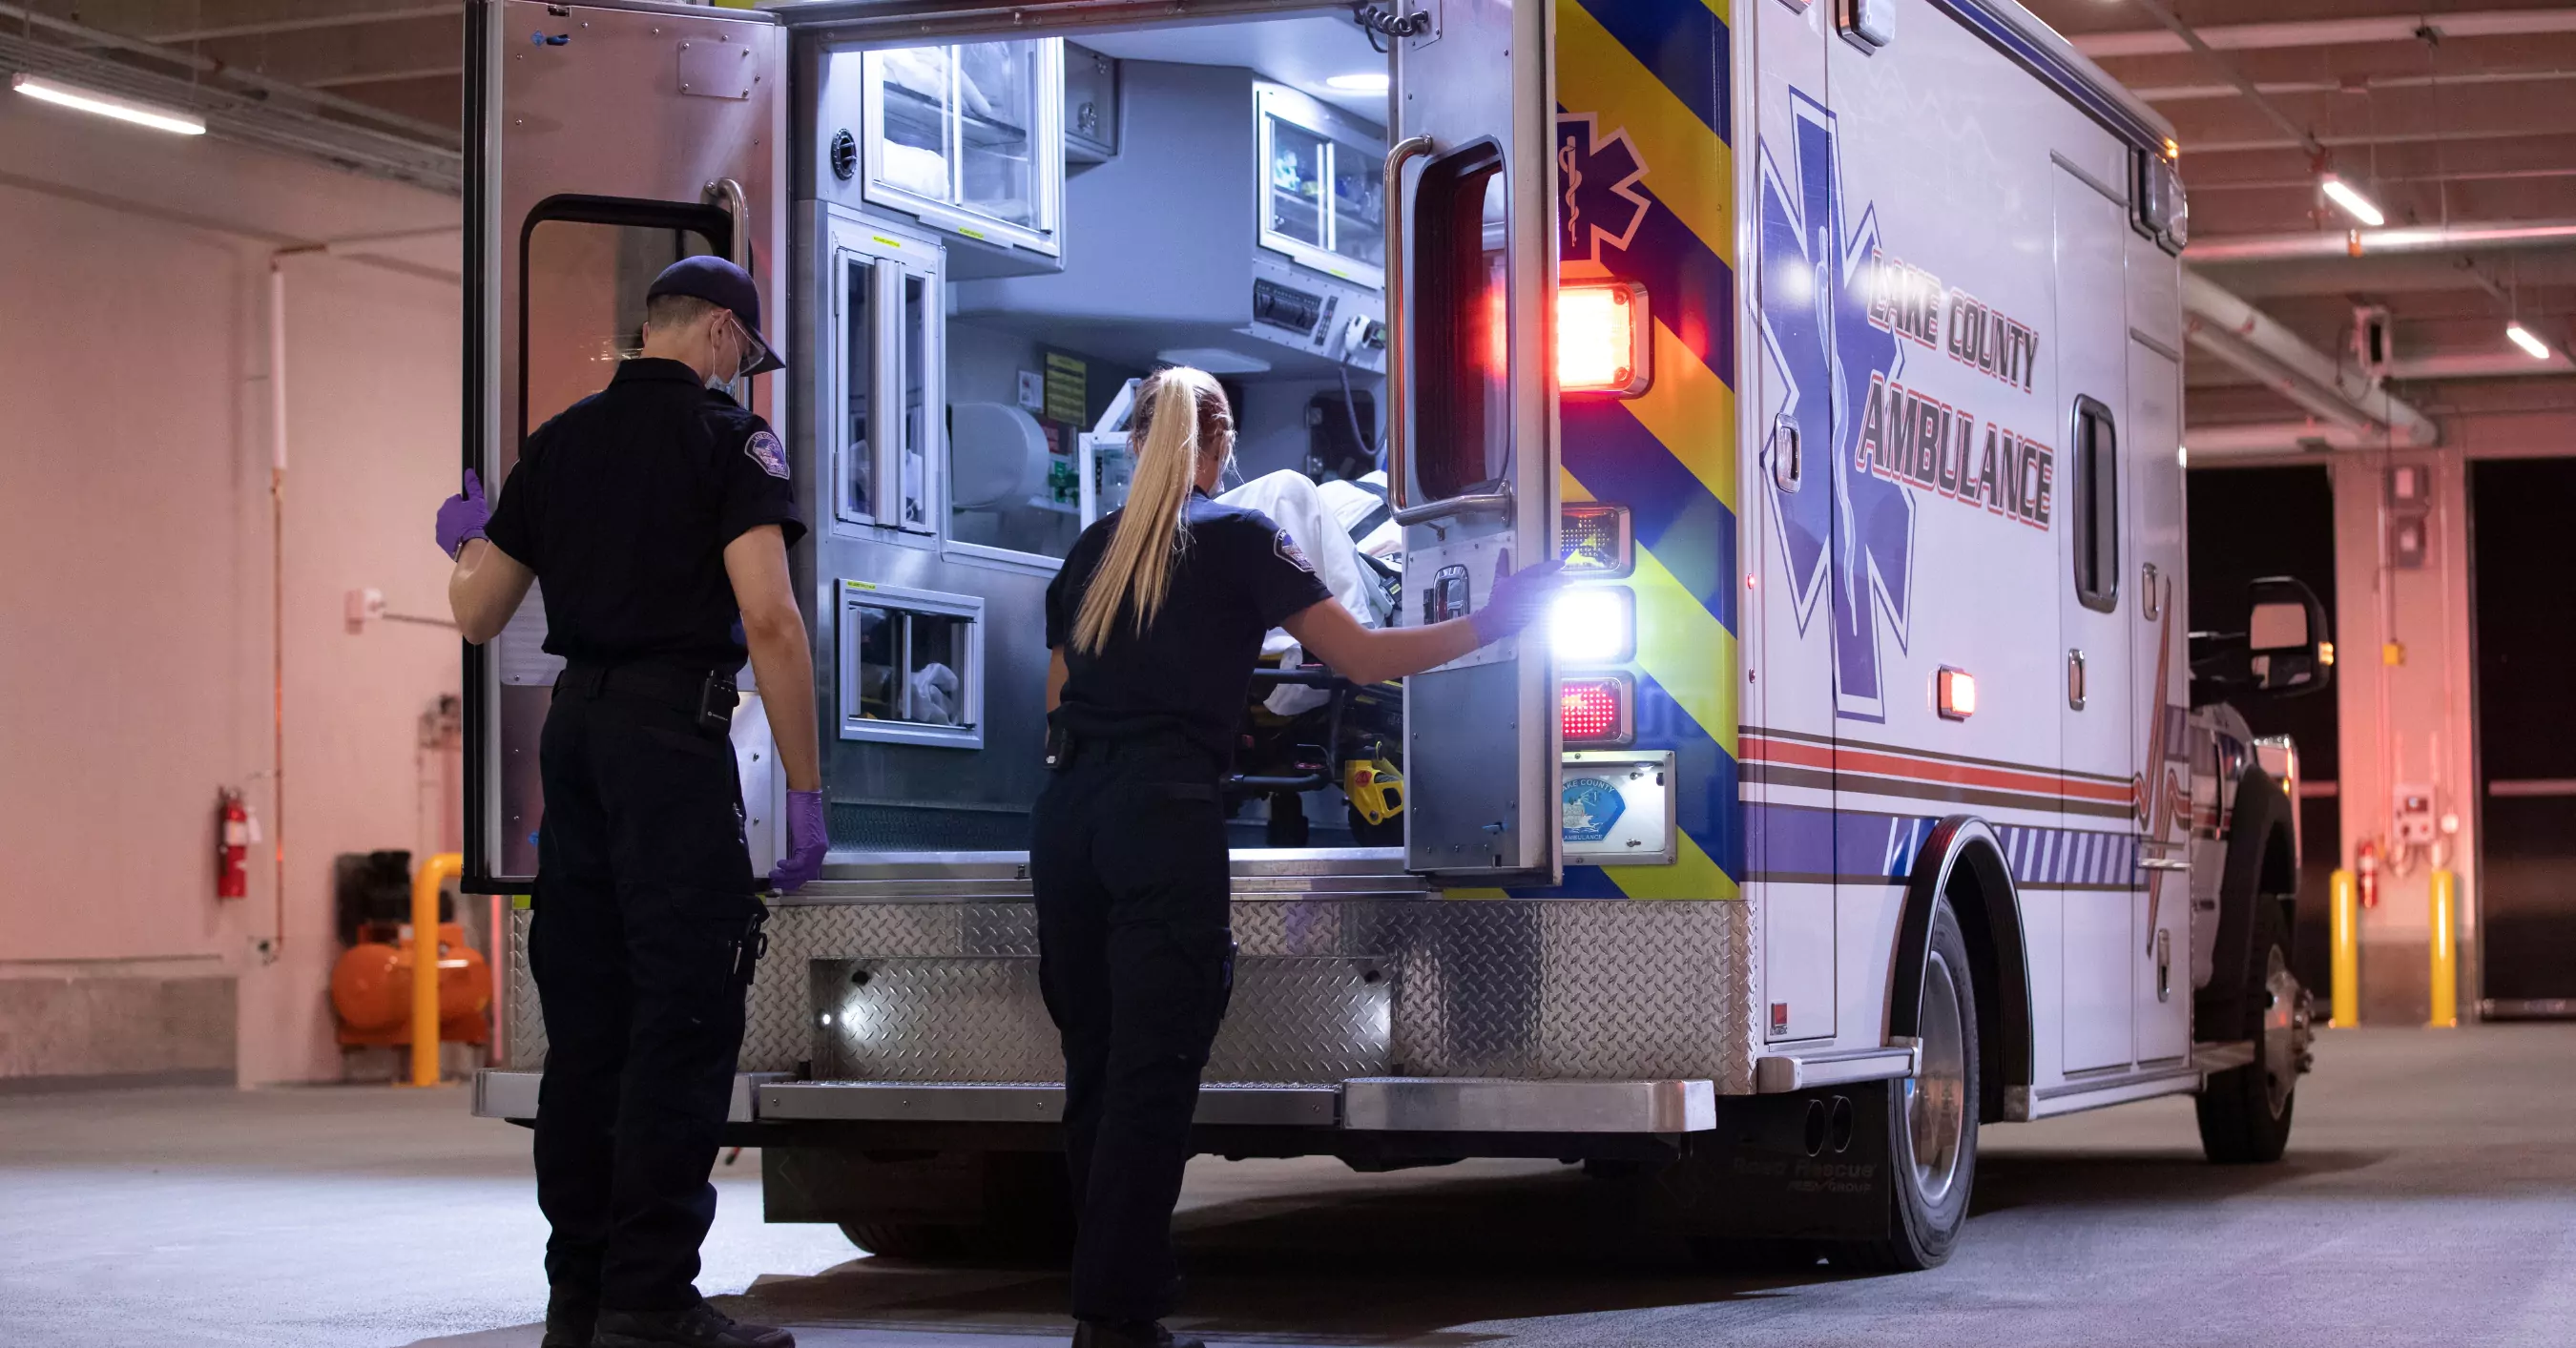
(135, 586)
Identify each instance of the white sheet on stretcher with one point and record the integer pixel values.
(1291, 498)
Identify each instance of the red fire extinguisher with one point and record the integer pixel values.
(234, 834)
(2365, 865)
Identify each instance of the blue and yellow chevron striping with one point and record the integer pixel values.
(1647, 184)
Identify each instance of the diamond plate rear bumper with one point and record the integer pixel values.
(1506, 991)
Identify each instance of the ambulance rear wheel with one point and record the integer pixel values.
(2244, 1112)
(1932, 1121)
(910, 1240)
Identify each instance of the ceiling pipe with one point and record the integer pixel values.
(2319, 401)
(2253, 341)
(2333, 32)
(2392, 239)
(2204, 443)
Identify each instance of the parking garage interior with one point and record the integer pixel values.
(242, 734)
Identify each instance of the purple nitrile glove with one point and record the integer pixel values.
(806, 841)
(462, 516)
(1517, 600)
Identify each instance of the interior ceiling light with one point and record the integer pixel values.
(1365, 82)
(2353, 203)
(2522, 337)
(109, 105)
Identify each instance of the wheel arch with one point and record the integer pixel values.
(1963, 859)
(2262, 862)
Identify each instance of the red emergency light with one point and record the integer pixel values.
(1604, 339)
(1597, 709)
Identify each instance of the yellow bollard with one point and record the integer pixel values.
(2344, 925)
(434, 871)
(2443, 899)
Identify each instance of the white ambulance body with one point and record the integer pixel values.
(1837, 345)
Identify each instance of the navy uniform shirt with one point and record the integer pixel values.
(1191, 672)
(623, 504)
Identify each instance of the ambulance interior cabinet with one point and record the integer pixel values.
(969, 139)
(1323, 190)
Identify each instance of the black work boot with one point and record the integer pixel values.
(1127, 1334)
(569, 1317)
(700, 1326)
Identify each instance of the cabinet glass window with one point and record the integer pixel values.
(888, 376)
(968, 128)
(911, 665)
(1297, 160)
(1359, 205)
(859, 347)
(1322, 186)
(997, 91)
(915, 458)
(1462, 422)
(918, 95)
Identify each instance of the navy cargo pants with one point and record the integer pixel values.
(1129, 867)
(644, 938)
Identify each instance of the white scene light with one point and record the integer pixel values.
(2522, 337)
(1365, 82)
(109, 105)
(2353, 203)
(1593, 625)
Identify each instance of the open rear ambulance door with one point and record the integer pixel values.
(1472, 422)
(603, 143)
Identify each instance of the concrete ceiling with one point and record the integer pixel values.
(2443, 113)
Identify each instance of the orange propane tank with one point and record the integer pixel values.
(371, 991)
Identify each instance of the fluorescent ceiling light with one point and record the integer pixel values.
(2354, 203)
(1365, 82)
(109, 105)
(2531, 346)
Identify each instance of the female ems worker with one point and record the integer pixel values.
(1155, 623)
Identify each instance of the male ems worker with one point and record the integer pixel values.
(657, 514)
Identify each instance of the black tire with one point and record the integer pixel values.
(1932, 1121)
(2245, 1111)
(1736, 1254)
(911, 1240)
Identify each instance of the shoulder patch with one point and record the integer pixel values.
(764, 449)
(1289, 552)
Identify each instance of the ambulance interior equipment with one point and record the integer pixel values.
(1009, 236)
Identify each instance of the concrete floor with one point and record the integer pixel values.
(2429, 1198)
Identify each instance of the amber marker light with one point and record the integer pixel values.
(1955, 692)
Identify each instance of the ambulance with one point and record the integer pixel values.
(1866, 789)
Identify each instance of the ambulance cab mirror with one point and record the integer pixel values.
(2285, 649)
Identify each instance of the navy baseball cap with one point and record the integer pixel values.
(721, 283)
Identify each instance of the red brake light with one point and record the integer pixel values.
(1594, 710)
(1602, 338)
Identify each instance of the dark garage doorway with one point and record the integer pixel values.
(2252, 522)
(2525, 634)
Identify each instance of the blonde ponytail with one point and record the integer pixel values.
(1180, 414)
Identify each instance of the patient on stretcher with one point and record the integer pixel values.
(1346, 530)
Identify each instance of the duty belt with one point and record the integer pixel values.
(708, 695)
